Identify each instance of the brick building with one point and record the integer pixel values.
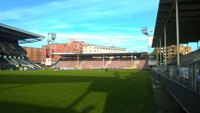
(51, 49)
(71, 46)
(34, 54)
(172, 50)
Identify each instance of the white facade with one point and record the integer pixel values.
(102, 49)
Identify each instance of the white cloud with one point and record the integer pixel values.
(10, 15)
(124, 41)
(98, 36)
(63, 26)
(138, 48)
(99, 39)
(99, 22)
(83, 9)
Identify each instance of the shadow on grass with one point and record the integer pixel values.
(130, 95)
(7, 107)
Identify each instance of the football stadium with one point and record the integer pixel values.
(76, 83)
(105, 82)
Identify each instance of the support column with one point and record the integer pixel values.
(77, 61)
(103, 60)
(187, 56)
(157, 55)
(187, 48)
(131, 59)
(165, 41)
(177, 35)
(160, 53)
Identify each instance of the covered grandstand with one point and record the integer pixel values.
(12, 56)
(178, 22)
(102, 60)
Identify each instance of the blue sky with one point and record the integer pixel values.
(99, 22)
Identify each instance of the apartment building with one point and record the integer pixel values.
(172, 50)
(102, 49)
(34, 54)
(71, 46)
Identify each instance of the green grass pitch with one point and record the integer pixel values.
(76, 91)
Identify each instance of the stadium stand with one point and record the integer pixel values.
(66, 63)
(118, 63)
(4, 64)
(97, 61)
(178, 23)
(92, 63)
(12, 56)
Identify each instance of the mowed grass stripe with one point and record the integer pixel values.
(76, 91)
